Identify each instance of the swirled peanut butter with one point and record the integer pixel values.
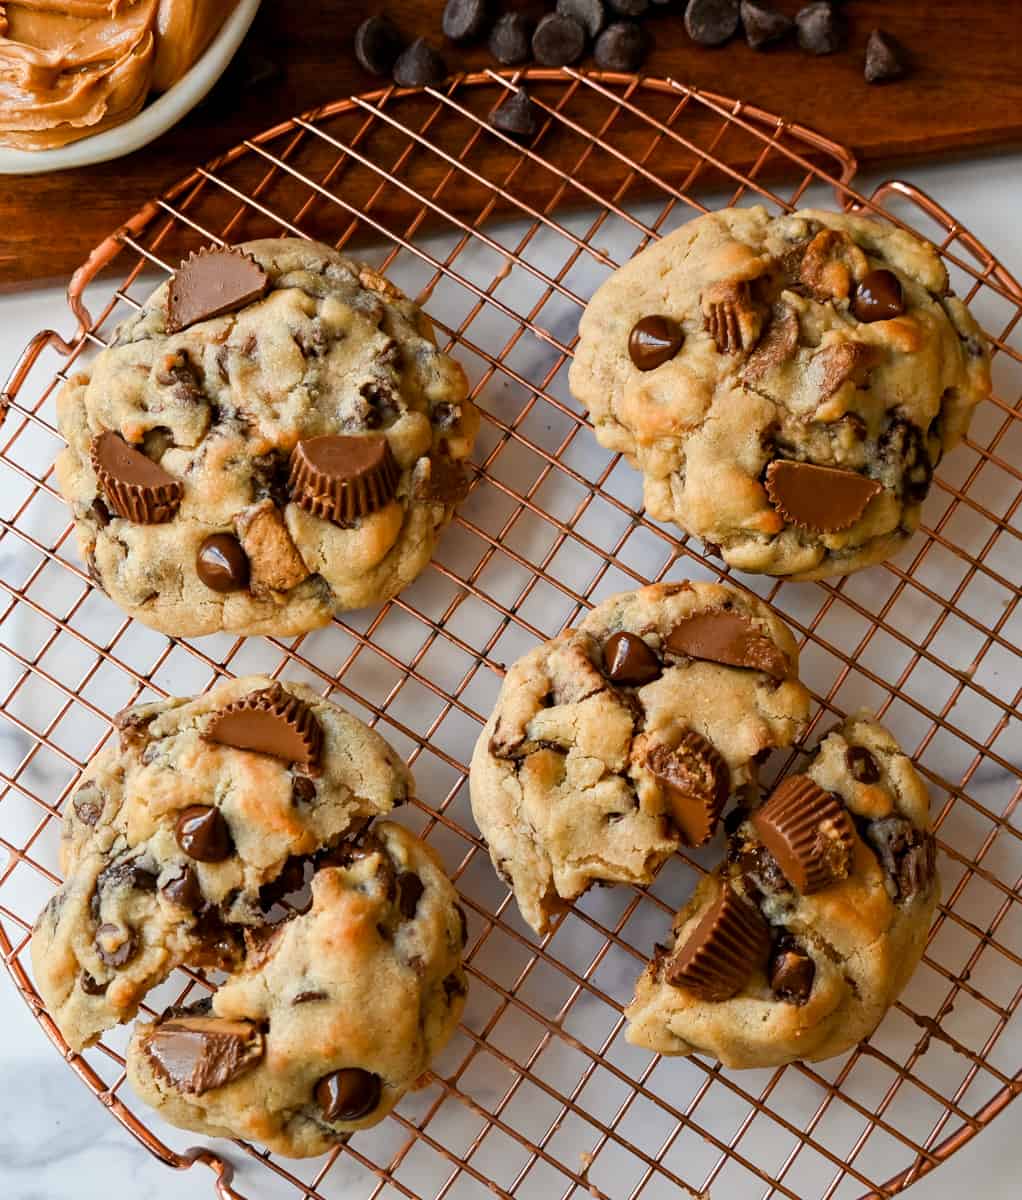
(70, 68)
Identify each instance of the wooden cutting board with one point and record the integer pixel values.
(964, 95)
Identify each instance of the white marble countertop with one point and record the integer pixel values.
(58, 1143)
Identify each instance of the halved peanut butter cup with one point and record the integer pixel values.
(719, 956)
(341, 478)
(824, 499)
(210, 282)
(136, 488)
(272, 722)
(808, 832)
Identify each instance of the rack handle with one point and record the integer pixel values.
(220, 1166)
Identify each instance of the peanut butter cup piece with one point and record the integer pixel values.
(719, 956)
(210, 282)
(695, 782)
(136, 488)
(791, 972)
(342, 478)
(628, 660)
(348, 1094)
(727, 638)
(202, 833)
(809, 833)
(271, 722)
(200, 1053)
(825, 499)
(654, 341)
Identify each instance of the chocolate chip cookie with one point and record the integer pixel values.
(786, 385)
(815, 922)
(333, 1016)
(619, 741)
(181, 836)
(272, 438)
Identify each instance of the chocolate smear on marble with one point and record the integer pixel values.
(271, 721)
(197, 1054)
(342, 478)
(695, 782)
(719, 956)
(809, 833)
(136, 488)
(727, 638)
(210, 282)
(824, 499)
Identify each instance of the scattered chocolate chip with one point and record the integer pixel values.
(183, 889)
(711, 22)
(628, 8)
(211, 282)
(348, 1094)
(419, 66)
(907, 855)
(341, 478)
(303, 790)
(196, 1054)
(653, 341)
(202, 833)
(825, 499)
(791, 972)
(878, 297)
(377, 45)
(271, 721)
(904, 445)
(588, 13)
(726, 946)
(135, 487)
(88, 803)
(409, 893)
(309, 997)
(821, 28)
(464, 20)
(695, 782)
(558, 41)
(621, 47)
(763, 23)
(885, 57)
(101, 513)
(114, 945)
(515, 115)
(862, 765)
(809, 833)
(222, 564)
(90, 986)
(628, 660)
(727, 638)
(511, 39)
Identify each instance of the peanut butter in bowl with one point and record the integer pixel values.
(71, 68)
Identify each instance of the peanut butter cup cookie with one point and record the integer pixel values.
(786, 385)
(273, 437)
(810, 930)
(619, 741)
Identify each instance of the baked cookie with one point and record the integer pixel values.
(334, 1015)
(273, 437)
(181, 836)
(786, 385)
(806, 936)
(616, 742)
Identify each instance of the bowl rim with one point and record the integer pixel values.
(154, 119)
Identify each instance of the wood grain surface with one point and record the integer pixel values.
(964, 95)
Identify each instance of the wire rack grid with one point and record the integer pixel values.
(538, 1095)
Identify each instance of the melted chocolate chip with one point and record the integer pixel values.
(878, 297)
(114, 945)
(183, 889)
(202, 833)
(653, 341)
(348, 1094)
(90, 986)
(907, 855)
(791, 972)
(628, 660)
(409, 892)
(904, 446)
(309, 997)
(303, 790)
(101, 513)
(862, 765)
(222, 564)
(88, 804)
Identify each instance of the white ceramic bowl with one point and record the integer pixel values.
(154, 119)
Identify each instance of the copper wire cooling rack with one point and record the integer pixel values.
(539, 1096)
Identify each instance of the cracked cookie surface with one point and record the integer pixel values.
(820, 967)
(216, 411)
(618, 741)
(786, 385)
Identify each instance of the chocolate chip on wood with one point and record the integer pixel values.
(511, 39)
(711, 22)
(590, 14)
(516, 115)
(821, 28)
(558, 41)
(420, 66)
(621, 47)
(464, 20)
(763, 23)
(885, 57)
(378, 44)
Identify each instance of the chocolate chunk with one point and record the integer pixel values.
(719, 956)
(275, 566)
(695, 782)
(885, 57)
(808, 831)
(126, 873)
(558, 41)
(464, 20)
(211, 282)
(136, 488)
(377, 45)
(904, 446)
(90, 986)
(878, 297)
(215, 945)
(837, 363)
(588, 13)
(511, 39)
(778, 344)
(348, 1094)
(628, 660)
(621, 47)
(202, 833)
(341, 478)
(196, 1054)
(821, 28)
(409, 893)
(761, 877)
(222, 564)
(419, 66)
(862, 765)
(271, 721)
(88, 803)
(183, 888)
(763, 23)
(309, 997)
(791, 972)
(728, 638)
(100, 512)
(907, 855)
(654, 341)
(114, 945)
(730, 317)
(824, 499)
(133, 725)
(628, 8)
(515, 115)
(711, 22)
(303, 790)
